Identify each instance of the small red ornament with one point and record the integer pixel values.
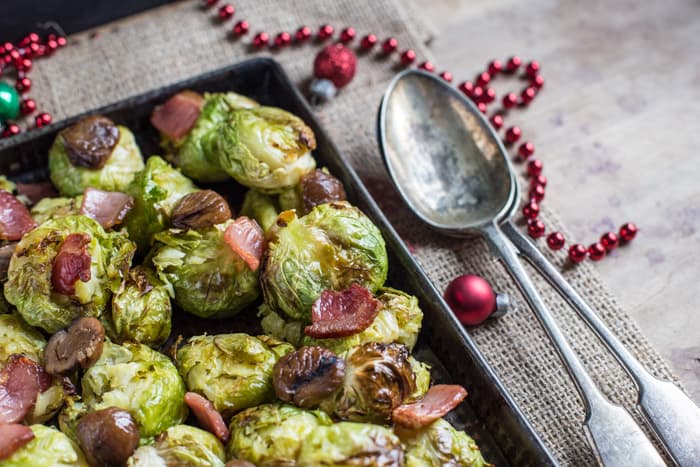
(347, 35)
(261, 39)
(23, 84)
(531, 210)
(513, 134)
(27, 106)
(495, 67)
(466, 87)
(532, 69)
(303, 34)
(241, 28)
(537, 193)
(368, 42)
(497, 121)
(390, 45)
(427, 66)
(489, 95)
(283, 39)
(483, 79)
(408, 57)
(42, 119)
(610, 241)
(226, 11)
(510, 100)
(577, 253)
(538, 180)
(528, 95)
(596, 252)
(628, 231)
(471, 299)
(535, 228)
(526, 150)
(537, 81)
(534, 167)
(447, 76)
(11, 130)
(513, 64)
(325, 32)
(556, 241)
(334, 67)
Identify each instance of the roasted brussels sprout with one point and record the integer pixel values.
(94, 153)
(205, 276)
(378, 378)
(33, 283)
(350, 444)
(181, 445)
(197, 153)
(233, 371)
(440, 445)
(330, 248)
(141, 309)
(49, 447)
(405, 309)
(263, 208)
(272, 434)
(137, 379)
(53, 208)
(265, 148)
(16, 337)
(156, 192)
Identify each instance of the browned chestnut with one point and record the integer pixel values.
(108, 437)
(80, 344)
(90, 142)
(200, 210)
(319, 187)
(307, 376)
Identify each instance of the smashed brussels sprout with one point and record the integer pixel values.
(265, 148)
(122, 164)
(272, 434)
(53, 208)
(233, 371)
(204, 275)
(439, 444)
(141, 309)
(351, 444)
(197, 153)
(156, 192)
(181, 445)
(328, 249)
(137, 379)
(49, 447)
(29, 284)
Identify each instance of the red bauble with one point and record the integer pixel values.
(577, 253)
(628, 231)
(610, 241)
(335, 63)
(471, 298)
(596, 251)
(556, 241)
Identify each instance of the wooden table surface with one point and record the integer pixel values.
(617, 127)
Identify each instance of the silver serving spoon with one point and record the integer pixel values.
(453, 172)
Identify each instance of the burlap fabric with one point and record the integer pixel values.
(181, 40)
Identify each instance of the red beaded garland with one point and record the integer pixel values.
(513, 64)
(513, 134)
(556, 241)
(534, 167)
(528, 95)
(497, 121)
(369, 41)
(226, 11)
(526, 150)
(510, 100)
(535, 228)
(628, 231)
(427, 66)
(532, 69)
(495, 67)
(538, 180)
(27, 106)
(483, 79)
(531, 210)
(24, 65)
(489, 95)
(283, 39)
(536, 192)
(577, 253)
(537, 81)
(466, 87)
(61, 41)
(241, 28)
(408, 57)
(42, 119)
(390, 45)
(303, 34)
(11, 130)
(482, 107)
(325, 32)
(477, 94)
(610, 241)
(447, 76)
(347, 35)
(261, 39)
(596, 251)
(23, 84)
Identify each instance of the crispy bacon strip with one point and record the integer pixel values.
(341, 314)
(208, 417)
(176, 117)
(437, 402)
(35, 192)
(247, 240)
(15, 220)
(12, 437)
(109, 208)
(21, 381)
(72, 263)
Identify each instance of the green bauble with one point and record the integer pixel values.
(9, 102)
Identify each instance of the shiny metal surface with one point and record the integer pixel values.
(453, 172)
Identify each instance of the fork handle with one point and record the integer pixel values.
(670, 413)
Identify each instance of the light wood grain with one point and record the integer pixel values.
(617, 129)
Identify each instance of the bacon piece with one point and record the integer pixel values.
(208, 417)
(35, 192)
(247, 240)
(15, 220)
(342, 314)
(437, 402)
(12, 437)
(21, 381)
(71, 263)
(176, 117)
(109, 208)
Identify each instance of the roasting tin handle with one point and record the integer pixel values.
(615, 434)
(674, 418)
